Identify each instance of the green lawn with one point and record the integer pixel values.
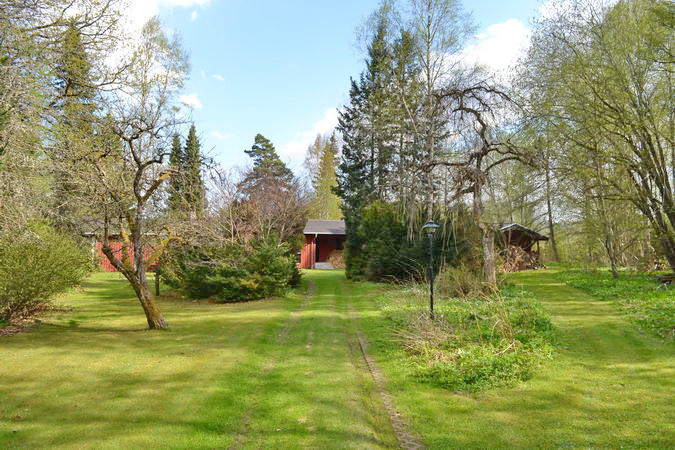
(289, 373)
(610, 385)
(644, 300)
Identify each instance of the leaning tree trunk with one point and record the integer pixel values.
(153, 315)
(139, 284)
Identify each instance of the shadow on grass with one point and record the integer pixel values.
(94, 377)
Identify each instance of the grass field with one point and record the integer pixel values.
(289, 373)
(647, 302)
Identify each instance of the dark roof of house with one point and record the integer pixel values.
(516, 226)
(325, 227)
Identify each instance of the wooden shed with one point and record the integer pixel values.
(322, 237)
(520, 247)
(517, 235)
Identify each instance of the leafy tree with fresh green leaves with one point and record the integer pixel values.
(601, 79)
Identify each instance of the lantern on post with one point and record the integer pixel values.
(430, 228)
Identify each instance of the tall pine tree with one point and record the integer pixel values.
(268, 171)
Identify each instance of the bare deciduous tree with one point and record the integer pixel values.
(122, 169)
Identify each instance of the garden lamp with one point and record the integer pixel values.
(430, 228)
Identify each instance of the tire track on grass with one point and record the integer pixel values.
(244, 431)
(406, 437)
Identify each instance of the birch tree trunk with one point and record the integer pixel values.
(549, 213)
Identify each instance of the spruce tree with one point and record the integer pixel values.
(365, 166)
(176, 162)
(193, 189)
(74, 119)
(75, 88)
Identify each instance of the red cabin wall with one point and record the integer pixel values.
(326, 244)
(307, 253)
(117, 251)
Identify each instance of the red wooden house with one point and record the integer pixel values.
(116, 244)
(322, 237)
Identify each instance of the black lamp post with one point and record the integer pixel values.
(431, 227)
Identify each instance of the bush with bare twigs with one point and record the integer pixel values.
(36, 264)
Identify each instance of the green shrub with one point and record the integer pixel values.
(232, 273)
(474, 343)
(647, 302)
(35, 265)
(484, 366)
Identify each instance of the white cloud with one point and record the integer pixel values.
(140, 11)
(194, 15)
(218, 77)
(191, 100)
(202, 74)
(220, 136)
(499, 47)
(294, 151)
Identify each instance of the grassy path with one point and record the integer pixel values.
(277, 373)
(289, 373)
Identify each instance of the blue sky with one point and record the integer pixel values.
(280, 68)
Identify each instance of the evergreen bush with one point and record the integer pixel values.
(381, 248)
(232, 273)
